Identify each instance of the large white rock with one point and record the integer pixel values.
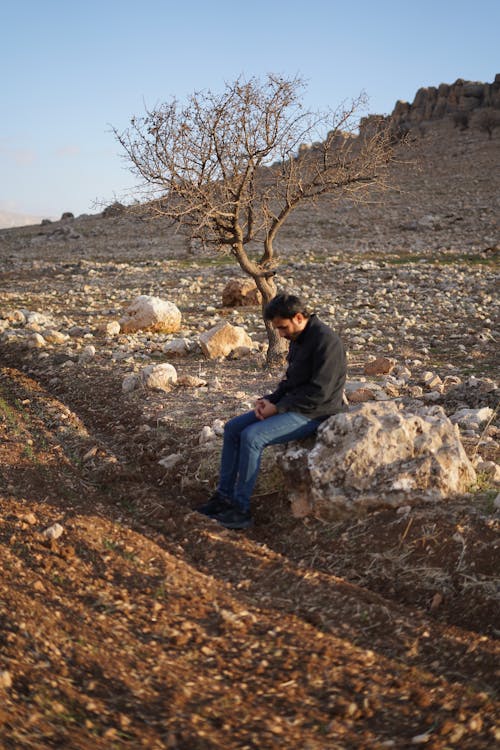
(375, 455)
(222, 339)
(162, 376)
(151, 314)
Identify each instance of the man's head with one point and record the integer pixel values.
(288, 314)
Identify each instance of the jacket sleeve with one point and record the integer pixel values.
(328, 365)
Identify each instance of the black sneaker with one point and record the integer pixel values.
(234, 518)
(217, 504)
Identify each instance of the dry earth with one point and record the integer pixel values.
(146, 625)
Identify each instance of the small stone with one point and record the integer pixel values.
(160, 377)
(36, 341)
(55, 337)
(111, 328)
(191, 381)
(416, 391)
(5, 679)
(129, 383)
(170, 461)
(380, 366)
(360, 395)
(218, 427)
(88, 353)
(431, 380)
(177, 347)
(53, 532)
(491, 469)
(207, 435)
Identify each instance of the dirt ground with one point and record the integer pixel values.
(147, 625)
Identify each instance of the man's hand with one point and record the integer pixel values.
(264, 408)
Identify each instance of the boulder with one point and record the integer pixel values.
(241, 292)
(373, 456)
(222, 339)
(161, 377)
(151, 314)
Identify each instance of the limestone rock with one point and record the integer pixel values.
(55, 337)
(161, 377)
(151, 314)
(472, 419)
(380, 366)
(431, 380)
(222, 339)
(376, 455)
(129, 382)
(88, 353)
(490, 469)
(36, 341)
(207, 435)
(111, 328)
(53, 532)
(170, 461)
(240, 292)
(177, 347)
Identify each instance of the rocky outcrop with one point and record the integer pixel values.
(435, 103)
(376, 455)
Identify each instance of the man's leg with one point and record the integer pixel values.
(230, 456)
(252, 440)
(222, 499)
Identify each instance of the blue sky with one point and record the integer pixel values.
(72, 69)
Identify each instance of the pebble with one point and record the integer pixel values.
(5, 679)
(53, 532)
(170, 461)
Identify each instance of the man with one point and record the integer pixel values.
(310, 392)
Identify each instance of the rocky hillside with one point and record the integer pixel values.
(129, 621)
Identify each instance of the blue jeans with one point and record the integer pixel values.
(245, 437)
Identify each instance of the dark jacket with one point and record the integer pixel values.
(315, 377)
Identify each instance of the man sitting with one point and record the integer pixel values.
(311, 391)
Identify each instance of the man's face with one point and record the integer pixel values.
(289, 328)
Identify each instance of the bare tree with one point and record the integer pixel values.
(230, 168)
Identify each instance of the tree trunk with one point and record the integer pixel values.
(276, 353)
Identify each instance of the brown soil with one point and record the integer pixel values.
(146, 625)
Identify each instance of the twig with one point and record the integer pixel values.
(406, 531)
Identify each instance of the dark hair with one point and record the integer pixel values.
(285, 306)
